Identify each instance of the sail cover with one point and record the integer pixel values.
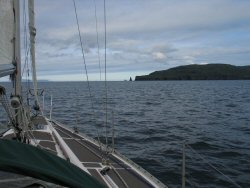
(30, 161)
(7, 28)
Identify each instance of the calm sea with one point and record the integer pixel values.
(152, 120)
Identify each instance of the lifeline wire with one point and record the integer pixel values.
(213, 167)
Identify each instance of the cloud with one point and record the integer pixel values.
(159, 56)
(142, 36)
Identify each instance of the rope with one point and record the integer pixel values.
(6, 106)
(213, 167)
(119, 176)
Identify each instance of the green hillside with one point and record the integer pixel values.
(200, 72)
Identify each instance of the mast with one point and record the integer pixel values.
(17, 51)
(17, 98)
(32, 50)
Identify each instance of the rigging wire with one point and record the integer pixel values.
(83, 55)
(97, 40)
(213, 167)
(105, 73)
(26, 51)
(86, 72)
(24, 35)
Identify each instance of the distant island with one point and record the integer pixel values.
(200, 72)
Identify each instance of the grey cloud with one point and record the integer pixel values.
(142, 35)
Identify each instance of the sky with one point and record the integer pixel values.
(142, 36)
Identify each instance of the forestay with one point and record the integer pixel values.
(7, 21)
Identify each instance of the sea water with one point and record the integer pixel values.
(151, 121)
